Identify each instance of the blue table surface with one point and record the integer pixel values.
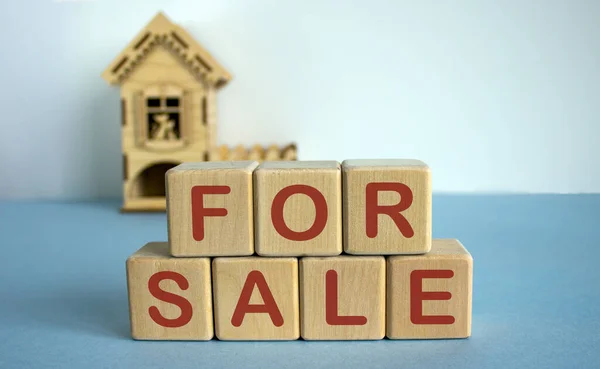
(536, 301)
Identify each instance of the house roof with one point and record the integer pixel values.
(161, 31)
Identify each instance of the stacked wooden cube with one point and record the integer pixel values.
(284, 250)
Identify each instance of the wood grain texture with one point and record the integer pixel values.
(360, 292)
(232, 234)
(362, 178)
(445, 255)
(154, 258)
(281, 276)
(319, 209)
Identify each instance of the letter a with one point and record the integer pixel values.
(256, 278)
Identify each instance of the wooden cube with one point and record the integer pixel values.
(342, 298)
(210, 209)
(298, 208)
(387, 207)
(169, 298)
(256, 298)
(429, 296)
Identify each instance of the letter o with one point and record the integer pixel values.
(320, 212)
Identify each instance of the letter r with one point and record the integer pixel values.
(373, 209)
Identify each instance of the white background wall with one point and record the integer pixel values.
(493, 95)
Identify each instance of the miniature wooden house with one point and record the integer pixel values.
(168, 88)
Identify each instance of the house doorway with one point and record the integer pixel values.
(151, 181)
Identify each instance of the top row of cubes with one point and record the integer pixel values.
(299, 208)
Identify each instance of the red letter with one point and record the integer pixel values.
(417, 296)
(331, 303)
(199, 211)
(320, 212)
(181, 302)
(373, 209)
(256, 278)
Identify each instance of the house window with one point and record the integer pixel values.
(163, 107)
(164, 118)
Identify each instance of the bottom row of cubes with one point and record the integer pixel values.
(317, 298)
